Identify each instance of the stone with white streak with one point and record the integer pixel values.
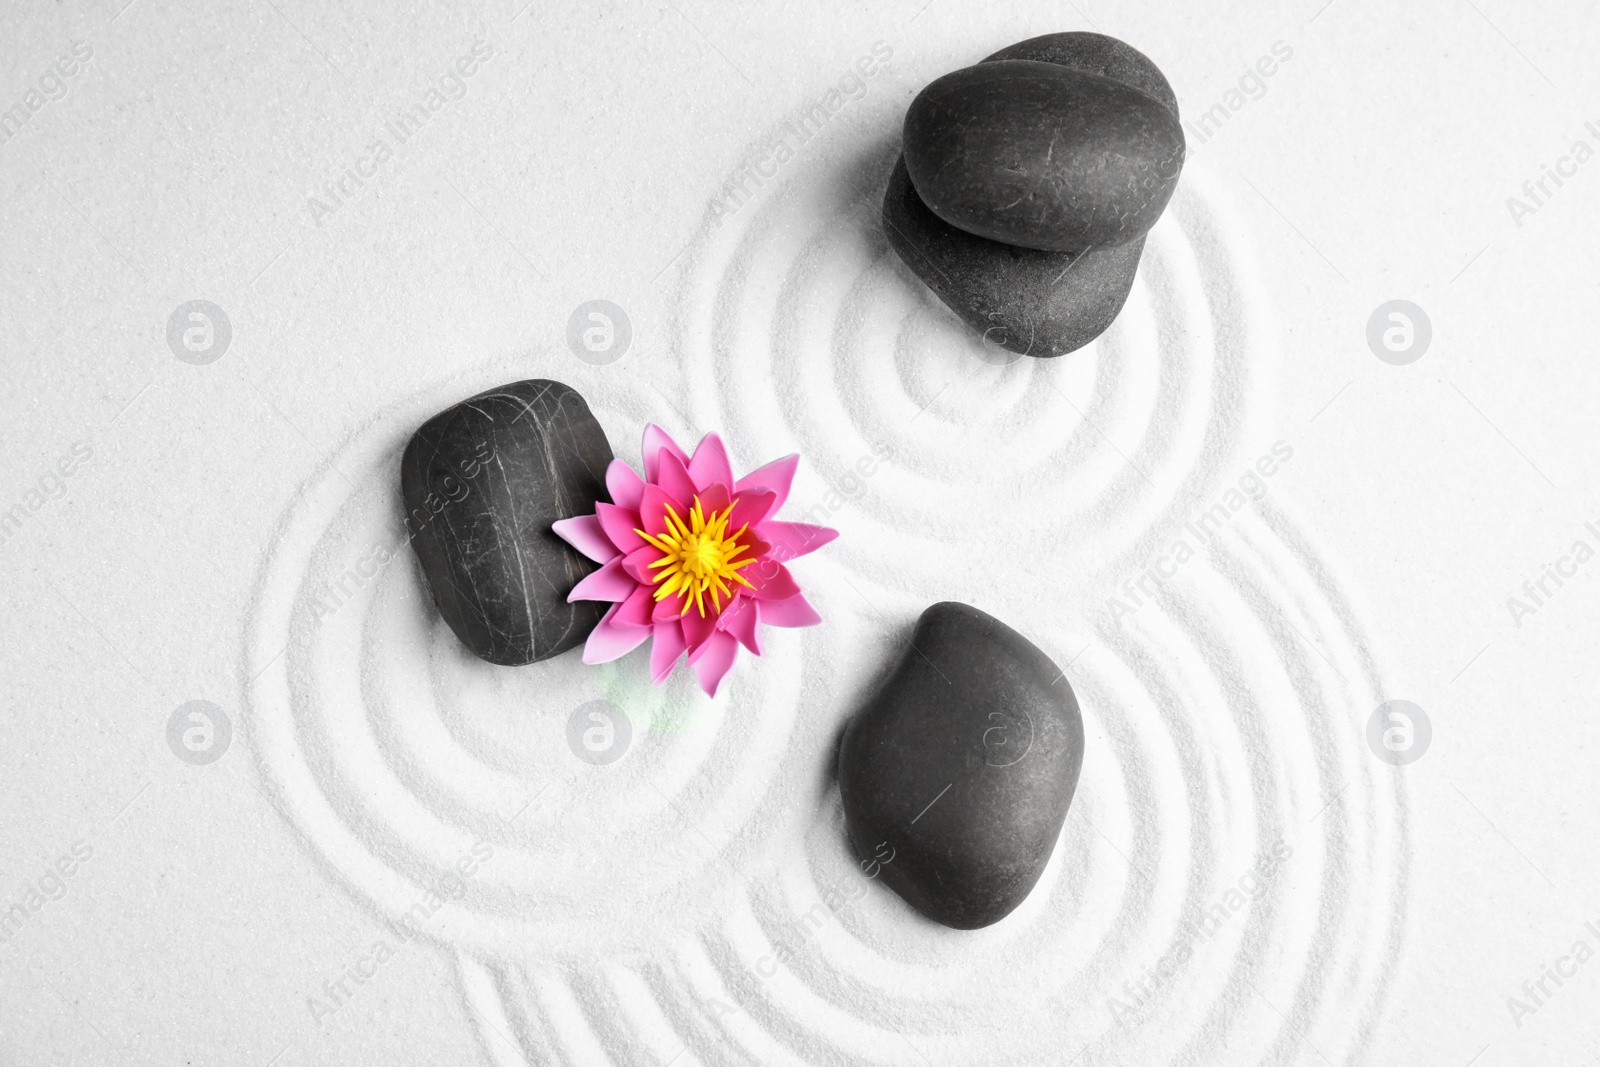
(483, 481)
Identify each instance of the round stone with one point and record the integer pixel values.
(1019, 299)
(961, 768)
(1041, 155)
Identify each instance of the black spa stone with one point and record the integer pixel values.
(1042, 155)
(1095, 53)
(1031, 302)
(482, 482)
(961, 768)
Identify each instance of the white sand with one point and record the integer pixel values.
(1239, 879)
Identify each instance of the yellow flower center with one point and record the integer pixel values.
(698, 557)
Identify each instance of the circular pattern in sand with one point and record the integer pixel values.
(1231, 876)
(1231, 873)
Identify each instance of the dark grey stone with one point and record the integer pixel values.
(1028, 301)
(957, 775)
(483, 481)
(1095, 53)
(1041, 155)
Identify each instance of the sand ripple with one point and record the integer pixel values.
(696, 901)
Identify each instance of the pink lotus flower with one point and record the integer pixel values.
(691, 558)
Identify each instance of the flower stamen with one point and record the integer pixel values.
(698, 557)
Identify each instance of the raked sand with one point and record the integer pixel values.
(1235, 528)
